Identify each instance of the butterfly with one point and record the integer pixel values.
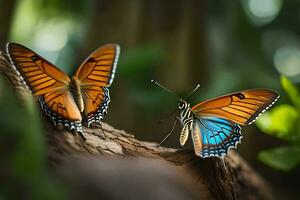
(67, 101)
(215, 124)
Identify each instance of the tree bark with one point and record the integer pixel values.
(237, 181)
(208, 177)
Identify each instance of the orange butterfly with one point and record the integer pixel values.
(66, 101)
(214, 124)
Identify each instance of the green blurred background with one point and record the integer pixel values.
(226, 46)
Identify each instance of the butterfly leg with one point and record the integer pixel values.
(224, 164)
(167, 117)
(82, 136)
(170, 132)
(104, 136)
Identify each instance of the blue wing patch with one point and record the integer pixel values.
(217, 136)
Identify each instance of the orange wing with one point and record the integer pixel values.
(94, 76)
(47, 82)
(39, 75)
(240, 107)
(99, 68)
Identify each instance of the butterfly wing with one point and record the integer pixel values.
(61, 108)
(48, 82)
(213, 137)
(39, 75)
(240, 107)
(95, 75)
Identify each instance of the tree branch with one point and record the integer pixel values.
(239, 181)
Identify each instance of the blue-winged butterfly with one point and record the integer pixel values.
(215, 124)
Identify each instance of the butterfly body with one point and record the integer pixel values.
(186, 119)
(68, 101)
(215, 124)
(77, 93)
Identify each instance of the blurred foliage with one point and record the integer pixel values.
(283, 122)
(137, 65)
(141, 60)
(52, 28)
(23, 163)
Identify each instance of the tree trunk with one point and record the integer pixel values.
(206, 178)
(7, 8)
(173, 32)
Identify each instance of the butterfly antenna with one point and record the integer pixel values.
(194, 90)
(164, 88)
(169, 133)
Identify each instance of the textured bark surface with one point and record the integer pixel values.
(207, 178)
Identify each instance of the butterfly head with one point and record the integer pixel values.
(183, 105)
